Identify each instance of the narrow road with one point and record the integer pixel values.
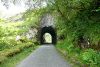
(44, 56)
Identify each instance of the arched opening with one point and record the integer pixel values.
(50, 33)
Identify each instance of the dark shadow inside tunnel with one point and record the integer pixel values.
(48, 33)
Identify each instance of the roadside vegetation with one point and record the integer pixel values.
(14, 39)
(78, 26)
(13, 61)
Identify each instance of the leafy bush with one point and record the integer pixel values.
(90, 57)
(14, 50)
(75, 18)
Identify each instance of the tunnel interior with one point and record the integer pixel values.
(48, 31)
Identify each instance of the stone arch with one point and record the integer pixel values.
(49, 30)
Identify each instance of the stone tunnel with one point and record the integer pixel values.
(49, 30)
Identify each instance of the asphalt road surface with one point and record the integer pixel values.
(44, 56)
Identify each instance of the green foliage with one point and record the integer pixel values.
(31, 18)
(12, 49)
(8, 32)
(75, 18)
(13, 61)
(90, 57)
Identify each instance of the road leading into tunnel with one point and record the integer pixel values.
(44, 56)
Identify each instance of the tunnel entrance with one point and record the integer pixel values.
(48, 35)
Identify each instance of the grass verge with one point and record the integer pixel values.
(12, 51)
(13, 61)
